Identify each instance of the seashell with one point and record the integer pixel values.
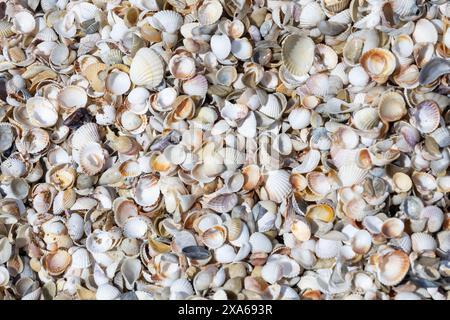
(311, 15)
(107, 292)
(392, 228)
(13, 167)
(225, 254)
(182, 288)
(131, 271)
(426, 116)
(214, 237)
(435, 218)
(196, 86)
(4, 276)
(5, 250)
(41, 112)
(209, 12)
(226, 75)
(379, 64)
(392, 267)
(146, 69)
(425, 31)
(402, 182)
(298, 54)
(432, 70)
(351, 174)
(241, 48)
(92, 158)
(182, 67)
(81, 259)
(366, 119)
(220, 46)
(301, 230)
(223, 203)
(277, 185)
(167, 20)
(118, 82)
(361, 242)
(391, 107)
(310, 162)
(443, 238)
(57, 262)
(423, 242)
(135, 227)
(318, 183)
(24, 22)
(260, 243)
(335, 6)
(327, 249)
(72, 97)
(299, 118)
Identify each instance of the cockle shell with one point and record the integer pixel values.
(298, 54)
(146, 69)
(392, 267)
(379, 64)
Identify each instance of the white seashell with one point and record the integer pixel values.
(304, 257)
(248, 127)
(209, 12)
(131, 271)
(24, 22)
(241, 48)
(361, 242)
(196, 86)
(72, 97)
(81, 259)
(135, 227)
(118, 82)
(298, 54)
(4, 276)
(392, 228)
(167, 20)
(92, 158)
(220, 46)
(426, 117)
(392, 267)
(310, 162)
(311, 15)
(425, 31)
(5, 250)
(327, 249)
(435, 217)
(13, 167)
(182, 286)
(277, 185)
(272, 272)
(351, 174)
(147, 191)
(225, 254)
(99, 242)
(146, 69)
(107, 292)
(41, 112)
(423, 242)
(443, 239)
(358, 77)
(260, 243)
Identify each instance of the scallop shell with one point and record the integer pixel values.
(327, 249)
(426, 117)
(220, 46)
(57, 262)
(260, 243)
(146, 68)
(81, 259)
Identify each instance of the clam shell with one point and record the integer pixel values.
(57, 262)
(298, 54)
(107, 292)
(423, 242)
(24, 22)
(81, 259)
(92, 158)
(277, 185)
(392, 267)
(361, 242)
(425, 31)
(41, 112)
(146, 69)
(351, 174)
(391, 107)
(167, 20)
(311, 15)
(392, 228)
(327, 249)
(209, 12)
(220, 46)
(426, 117)
(379, 64)
(260, 243)
(214, 237)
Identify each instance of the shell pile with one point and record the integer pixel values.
(212, 149)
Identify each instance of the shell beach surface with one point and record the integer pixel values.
(212, 149)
